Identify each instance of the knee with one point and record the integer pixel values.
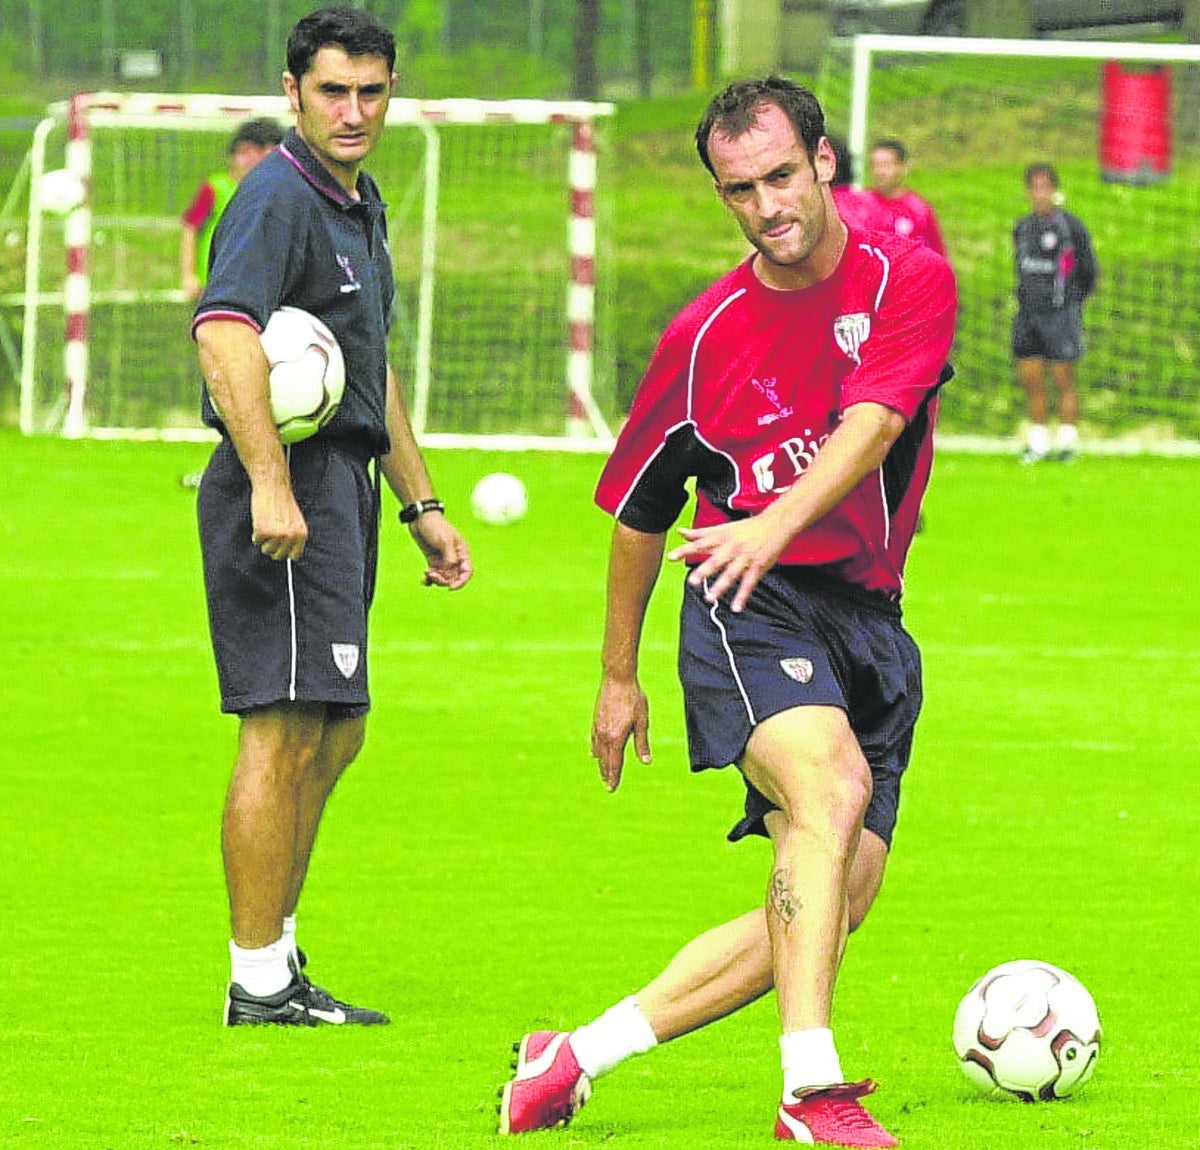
(833, 808)
(278, 744)
(848, 783)
(809, 764)
(340, 745)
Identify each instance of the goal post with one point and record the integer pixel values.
(973, 113)
(499, 217)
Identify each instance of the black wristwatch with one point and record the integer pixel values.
(414, 511)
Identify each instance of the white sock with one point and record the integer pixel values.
(262, 970)
(289, 936)
(619, 1033)
(809, 1059)
(1068, 437)
(1039, 439)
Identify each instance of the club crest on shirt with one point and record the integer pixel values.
(345, 655)
(798, 668)
(352, 281)
(851, 332)
(768, 388)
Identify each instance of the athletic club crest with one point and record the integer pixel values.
(798, 668)
(345, 655)
(352, 281)
(851, 332)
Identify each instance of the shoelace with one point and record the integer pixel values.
(321, 998)
(849, 1113)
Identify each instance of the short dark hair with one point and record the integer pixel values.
(891, 144)
(734, 110)
(1041, 169)
(843, 172)
(263, 133)
(355, 30)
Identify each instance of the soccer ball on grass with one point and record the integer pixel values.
(308, 373)
(499, 498)
(1029, 1030)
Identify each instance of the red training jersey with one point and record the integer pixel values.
(748, 383)
(859, 210)
(202, 206)
(911, 217)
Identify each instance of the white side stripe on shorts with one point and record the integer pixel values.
(291, 608)
(737, 678)
(292, 624)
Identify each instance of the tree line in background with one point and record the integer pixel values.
(549, 48)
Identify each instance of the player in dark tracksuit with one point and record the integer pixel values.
(1056, 271)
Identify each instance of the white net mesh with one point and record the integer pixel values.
(973, 114)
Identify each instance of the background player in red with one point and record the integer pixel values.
(800, 392)
(857, 208)
(911, 216)
(250, 142)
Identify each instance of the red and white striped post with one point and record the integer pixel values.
(581, 291)
(78, 288)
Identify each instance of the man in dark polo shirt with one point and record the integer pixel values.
(289, 534)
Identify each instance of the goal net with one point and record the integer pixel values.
(1121, 123)
(499, 224)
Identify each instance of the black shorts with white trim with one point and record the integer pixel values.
(292, 630)
(804, 639)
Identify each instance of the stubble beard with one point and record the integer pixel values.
(797, 247)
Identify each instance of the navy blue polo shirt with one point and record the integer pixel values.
(292, 236)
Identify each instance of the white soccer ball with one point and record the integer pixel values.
(60, 191)
(308, 374)
(1029, 1030)
(499, 498)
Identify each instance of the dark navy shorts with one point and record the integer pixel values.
(292, 630)
(804, 639)
(1054, 335)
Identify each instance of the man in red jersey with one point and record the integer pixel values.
(858, 208)
(800, 392)
(910, 215)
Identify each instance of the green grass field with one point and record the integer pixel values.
(474, 878)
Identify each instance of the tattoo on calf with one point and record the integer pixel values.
(784, 900)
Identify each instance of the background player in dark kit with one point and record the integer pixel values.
(289, 535)
(800, 391)
(1056, 271)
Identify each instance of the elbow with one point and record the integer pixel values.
(886, 426)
